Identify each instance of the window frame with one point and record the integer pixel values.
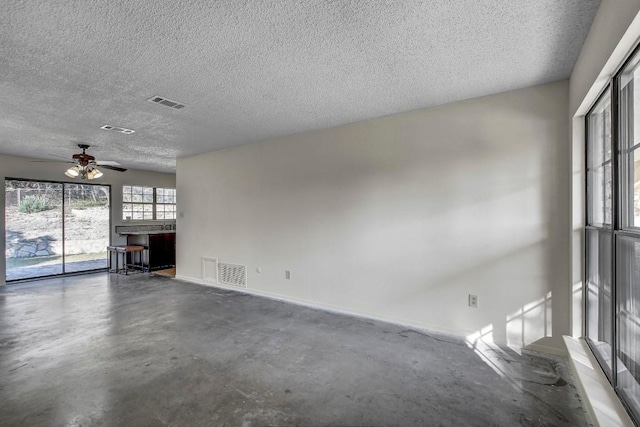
(153, 204)
(607, 362)
(626, 153)
(164, 204)
(621, 227)
(64, 254)
(607, 92)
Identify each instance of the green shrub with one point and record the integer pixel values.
(84, 204)
(32, 204)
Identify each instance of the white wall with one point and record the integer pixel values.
(20, 167)
(401, 217)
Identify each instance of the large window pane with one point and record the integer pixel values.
(33, 229)
(599, 294)
(629, 96)
(627, 283)
(628, 255)
(634, 187)
(599, 163)
(86, 219)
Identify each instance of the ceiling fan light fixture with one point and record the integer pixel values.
(85, 165)
(94, 173)
(73, 171)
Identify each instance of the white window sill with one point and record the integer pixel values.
(601, 401)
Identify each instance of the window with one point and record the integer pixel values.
(165, 203)
(630, 144)
(148, 203)
(628, 344)
(627, 239)
(612, 233)
(598, 231)
(599, 163)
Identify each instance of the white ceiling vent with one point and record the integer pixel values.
(232, 274)
(164, 101)
(117, 129)
(209, 269)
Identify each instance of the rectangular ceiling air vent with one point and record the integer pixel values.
(164, 101)
(232, 274)
(118, 129)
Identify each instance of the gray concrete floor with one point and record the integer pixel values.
(104, 349)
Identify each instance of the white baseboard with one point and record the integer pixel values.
(331, 308)
(453, 333)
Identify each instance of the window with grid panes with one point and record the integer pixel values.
(165, 203)
(612, 233)
(148, 203)
(598, 231)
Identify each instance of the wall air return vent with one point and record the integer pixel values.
(118, 129)
(164, 101)
(232, 274)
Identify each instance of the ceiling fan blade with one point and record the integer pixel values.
(84, 160)
(58, 156)
(51, 161)
(107, 163)
(115, 168)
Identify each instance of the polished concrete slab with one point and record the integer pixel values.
(142, 350)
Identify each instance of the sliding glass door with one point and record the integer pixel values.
(86, 227)
(33, 229)
(53, 228)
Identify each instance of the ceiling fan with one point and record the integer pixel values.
(85, 165)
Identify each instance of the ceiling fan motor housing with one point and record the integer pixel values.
(83, 159)
(86, 165)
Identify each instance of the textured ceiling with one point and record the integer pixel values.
(254, 70)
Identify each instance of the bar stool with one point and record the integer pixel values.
(111, 251)
(125, 250)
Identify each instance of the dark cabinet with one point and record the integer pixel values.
(161, 249)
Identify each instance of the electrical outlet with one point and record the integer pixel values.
(287, 274)
(473, 301)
